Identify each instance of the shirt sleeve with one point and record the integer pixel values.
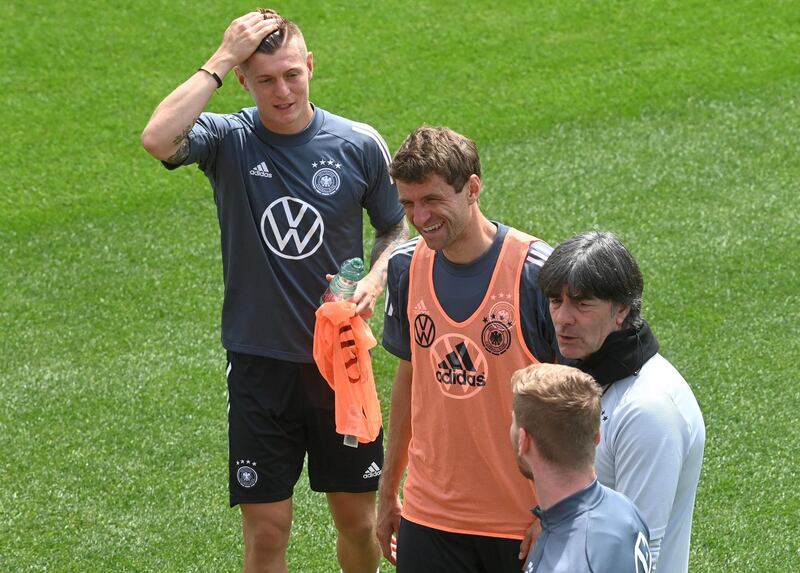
(380, 200)
(650, 445)
(616, 541)
(204, 139)
(537, 326)
(396, 334)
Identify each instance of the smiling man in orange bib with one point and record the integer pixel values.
(463, 312)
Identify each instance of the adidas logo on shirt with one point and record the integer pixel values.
(261, 170)
(372, 471)
(458, 368)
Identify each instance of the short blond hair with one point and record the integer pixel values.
(559, 406)
(277, 39)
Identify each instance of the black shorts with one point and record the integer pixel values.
(278, 411)
(422, 549)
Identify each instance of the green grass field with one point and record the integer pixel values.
(675, 124)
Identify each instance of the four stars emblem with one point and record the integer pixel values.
(324, 162)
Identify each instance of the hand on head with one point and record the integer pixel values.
(245, 33)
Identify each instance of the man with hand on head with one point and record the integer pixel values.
(652, 431)
(290, 183)
(463, 312)
(586, 527)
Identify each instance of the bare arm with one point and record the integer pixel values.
(165, 136)
(370, 287)
(396, 459)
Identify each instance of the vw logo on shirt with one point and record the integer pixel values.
(291, 228)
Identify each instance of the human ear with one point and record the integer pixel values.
(621, 313)
(523, 441)
(474, 187)
(240, 75)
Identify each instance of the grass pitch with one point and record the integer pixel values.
(674, 124)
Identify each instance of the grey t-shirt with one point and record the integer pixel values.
(290, 210)
(596, 530)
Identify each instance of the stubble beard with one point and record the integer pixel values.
(524, 468)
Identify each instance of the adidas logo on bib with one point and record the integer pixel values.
(458, 368)
(261, 170)
(372, 471)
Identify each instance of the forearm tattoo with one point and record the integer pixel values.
(182, 141)
(388, 240)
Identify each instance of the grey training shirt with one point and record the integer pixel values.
(290, 210)
(595, 530)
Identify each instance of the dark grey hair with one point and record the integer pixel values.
(595, 264)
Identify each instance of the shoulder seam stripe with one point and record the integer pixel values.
(406, 248)
(408, 244)
(370, 132)
(408, 252)
(537, 262)
(540, 247)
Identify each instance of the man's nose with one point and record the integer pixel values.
(420, 217)
(282, 88)
(563, 315)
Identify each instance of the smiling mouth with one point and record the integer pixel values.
(432, 228)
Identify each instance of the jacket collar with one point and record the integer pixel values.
(622, 354)
(570, 507)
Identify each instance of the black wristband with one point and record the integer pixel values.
(213, 75)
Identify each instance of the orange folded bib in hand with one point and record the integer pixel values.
(341, 350)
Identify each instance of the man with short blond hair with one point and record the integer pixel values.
(291, 182)
(561, 407)
(586, 527)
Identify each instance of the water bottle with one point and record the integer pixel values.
(343, 284)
